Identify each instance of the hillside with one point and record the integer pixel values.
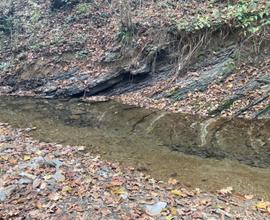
(204, 57)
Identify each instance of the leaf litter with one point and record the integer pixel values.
(62, 182)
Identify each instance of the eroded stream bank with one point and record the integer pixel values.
(151, 141)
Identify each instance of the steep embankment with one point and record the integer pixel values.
(210, 58)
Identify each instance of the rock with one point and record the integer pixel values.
(107, 82)
(36, 183)
(28, 175)
(6, 192)
(156, 208)
(124, 196)
(81, 148)
(216, 73)
(59, 177)
(111, 57)
(23, 181)
(54, 196)
(53, 87)
(74, 89)
(55, 163)
(6, 89)
(74, 83)
(2, 195)
(4, 138)
(251, 85)
(6, 147)
(144, 69)
(50, 184)
(30, 129)
(37, 162)
(103, 172)
(50, 88)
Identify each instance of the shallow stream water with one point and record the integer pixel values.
(126, 134)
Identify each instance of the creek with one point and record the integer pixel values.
(208, 153)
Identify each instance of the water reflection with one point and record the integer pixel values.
(134, 137)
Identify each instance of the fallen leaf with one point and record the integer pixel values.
(2, 131)
(172, 181)
(170, 217)
(66, 189)
(119, 191)
(13, 161)
(173, 211)
(4, 157)
(226, 191)
(26, 157)
(47, 177)
(248, 197)
(177, 192)
(39, 205)
(54, 196)
(43, 185)
(230, 85)
(204, 202)
(116, 182)
(39, 153)
(262, 205)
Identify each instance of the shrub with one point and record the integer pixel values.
(250, 16)
(82, 8)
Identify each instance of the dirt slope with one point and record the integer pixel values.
(204, 57)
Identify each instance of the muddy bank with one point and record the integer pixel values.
(215, 87)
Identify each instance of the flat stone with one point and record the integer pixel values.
(156, 208)
(4, 138)
(55, 163)
(36, 183)
(6, 192)
(28, 175)
(23, 181)
(59, 177)
(81, 148)
(2, 195)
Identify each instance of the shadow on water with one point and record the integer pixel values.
(154, 141)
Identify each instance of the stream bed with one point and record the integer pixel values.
(206, 153)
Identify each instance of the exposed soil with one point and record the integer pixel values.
(81, 50)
